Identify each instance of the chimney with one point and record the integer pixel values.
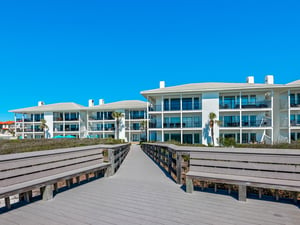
(40, 103)
(269, 79)
(250, 80)
(101, 101)
(91, 102)
(162, 84)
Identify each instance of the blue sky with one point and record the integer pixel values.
(72, 51)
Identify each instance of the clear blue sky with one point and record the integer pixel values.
(72, 51)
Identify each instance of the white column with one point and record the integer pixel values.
(181, 132)
(289, 115)
(147, 116)
(162, 119)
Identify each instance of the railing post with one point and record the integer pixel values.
(178, 167)
(169, 161)
(111, 158)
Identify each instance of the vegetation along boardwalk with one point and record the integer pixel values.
(141, 193)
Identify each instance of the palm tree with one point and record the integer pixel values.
(117, 116)
(44, 126)
(212, 121)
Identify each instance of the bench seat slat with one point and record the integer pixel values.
(246, 165)
(51, 179)
(49, 166)
(47, 173)
(291, 185)
(250, 157)
(242, 172)
(30, 161)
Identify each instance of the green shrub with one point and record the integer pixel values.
(29, 145)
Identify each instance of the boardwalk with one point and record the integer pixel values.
(140, 193)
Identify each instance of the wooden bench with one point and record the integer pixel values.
(23, 172)
(263, 168)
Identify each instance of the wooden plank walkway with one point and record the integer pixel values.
(141, 193)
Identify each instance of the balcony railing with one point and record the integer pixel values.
(294, 105)
(229, 106)
(257, 123)
(259, 104)
(230, 124)
(154, 125)
(175, 107)
(295, 123)
(155, 108)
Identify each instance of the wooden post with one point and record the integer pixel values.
(78, 179)
(215, 187)
(169, 161)
(242, 193)
(7, 202)
(178, 167)
(229, 189)
(111, 158)
(189, 185)
(87, 177)
(47, 193)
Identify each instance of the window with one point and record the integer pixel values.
(175, 137)
(197, 139)
(253, 137)
(187, 104)
(166, 104)
(175, 104)
(245, 138)
(166, 137)
(293, 99)
(196, 103)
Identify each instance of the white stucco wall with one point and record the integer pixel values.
(48, 116)
(210, 103)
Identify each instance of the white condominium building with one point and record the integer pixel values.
(73, 120)
(248, 112)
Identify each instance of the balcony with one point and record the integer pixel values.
(155, 108)
(259, 104)
(172, 125)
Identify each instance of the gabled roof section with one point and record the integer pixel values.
(212, 86)
(127, 104)
(57, 107)
(294, 83)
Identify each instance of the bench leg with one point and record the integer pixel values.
(215, 187)
(259, 193)
(78, 180)
(28, 196)
(47, 193)
(87, 176)
(189, 185)
(229, 189)
(242, 193)
(276, 195)
(202, 185)
(7, 202)
(295, 197)
(56, 187)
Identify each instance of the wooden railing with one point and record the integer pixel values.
(272, 163)
(172, 158)
(22, 173)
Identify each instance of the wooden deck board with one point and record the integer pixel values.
(141, 193)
